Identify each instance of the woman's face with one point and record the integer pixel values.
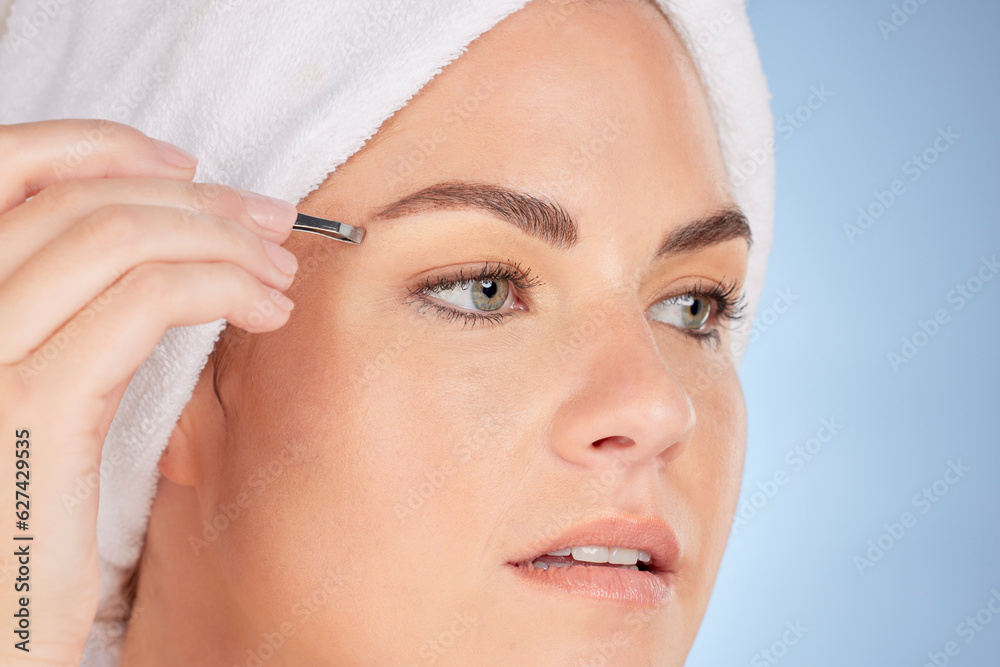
(405, 452)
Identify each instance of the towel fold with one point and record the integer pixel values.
(273, 96)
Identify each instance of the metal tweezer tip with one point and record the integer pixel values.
(329, 228)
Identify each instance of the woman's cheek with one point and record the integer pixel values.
(720, 459)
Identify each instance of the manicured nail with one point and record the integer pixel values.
(280, 299)
(282, 258)
(173, 155)
(269, 212)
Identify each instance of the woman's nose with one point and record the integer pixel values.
(625, 404)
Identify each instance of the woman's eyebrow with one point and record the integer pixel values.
(729, 223)
(550, 222)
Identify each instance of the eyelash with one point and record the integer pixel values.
(522, 279)
(728, 304)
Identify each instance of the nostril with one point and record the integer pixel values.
(613, 442)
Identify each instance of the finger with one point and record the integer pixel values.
(36, 155)
(75, 268)
(106, 342)
(27, 228)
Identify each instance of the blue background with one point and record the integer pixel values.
(827, 356)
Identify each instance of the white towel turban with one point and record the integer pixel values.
(272, 96)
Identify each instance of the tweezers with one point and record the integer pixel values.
(331, 229)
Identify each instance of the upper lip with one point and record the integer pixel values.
(648, 533)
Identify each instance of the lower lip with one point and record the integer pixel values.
(635, 588)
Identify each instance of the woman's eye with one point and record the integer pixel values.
(492, 293)
(476, 295)
(686, 311)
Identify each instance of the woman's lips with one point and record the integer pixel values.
(612, 583)
(648, 542)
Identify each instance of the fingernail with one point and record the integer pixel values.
(175, 156)
(280, 299)
(270, 212)
(282, 258)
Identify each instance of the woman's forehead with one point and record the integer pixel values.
(561, 110)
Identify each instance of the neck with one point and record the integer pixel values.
(181, 614)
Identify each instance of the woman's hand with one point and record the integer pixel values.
(104, 243)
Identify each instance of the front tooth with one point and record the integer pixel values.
(591, 554)
(561, 552)
(644, 556)
(622, 556)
